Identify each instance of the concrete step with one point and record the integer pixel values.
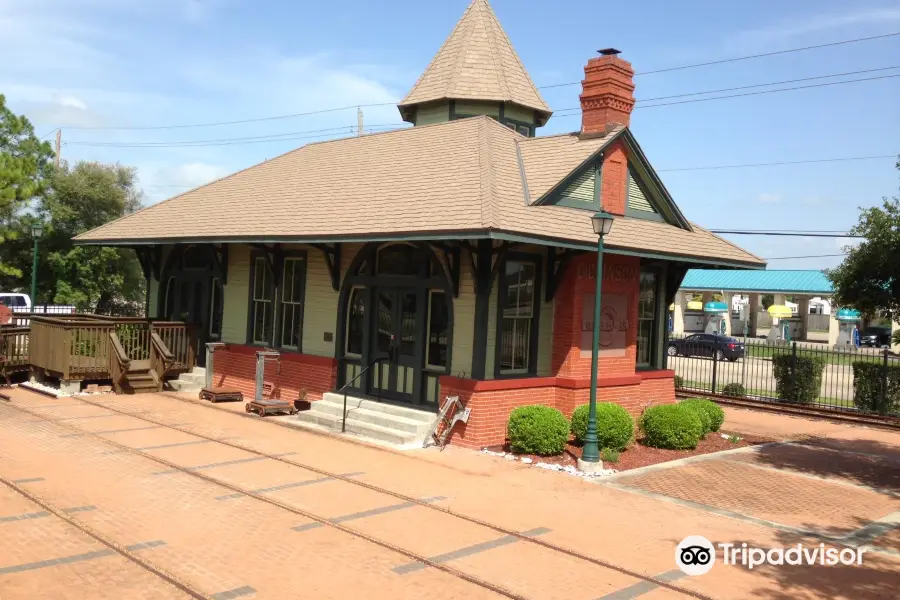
(179, 385)
(361, 428)
(199, 371)
(374, 416)
(193, 379)
(424, 416)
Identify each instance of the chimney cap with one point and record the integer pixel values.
(609, 52)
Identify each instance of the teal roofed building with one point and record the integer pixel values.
(806, 292)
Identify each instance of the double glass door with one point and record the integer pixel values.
(398, 342)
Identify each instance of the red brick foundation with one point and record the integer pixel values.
(235, 366)
(492, 401)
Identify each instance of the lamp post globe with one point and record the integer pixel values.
(602, 223)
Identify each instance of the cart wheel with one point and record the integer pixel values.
(247, 408)
(262, 412)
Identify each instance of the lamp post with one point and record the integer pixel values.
(590, 458)
(37, 230)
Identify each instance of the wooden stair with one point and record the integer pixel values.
(140, 378)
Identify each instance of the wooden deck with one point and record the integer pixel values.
(77, 347)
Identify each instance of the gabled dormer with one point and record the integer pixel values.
(617, 178)
(477, 72)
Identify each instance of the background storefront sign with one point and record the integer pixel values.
(613, 324)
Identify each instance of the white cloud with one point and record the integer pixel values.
(795, 27)
(769, 198)
(189, 175)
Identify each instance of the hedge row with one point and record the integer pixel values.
(543, 430)
(681, 426)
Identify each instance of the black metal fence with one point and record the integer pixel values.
(865, 380)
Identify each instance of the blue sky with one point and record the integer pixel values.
(101, 63)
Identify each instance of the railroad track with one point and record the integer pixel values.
(351, 481)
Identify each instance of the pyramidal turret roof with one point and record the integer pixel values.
(477, 62)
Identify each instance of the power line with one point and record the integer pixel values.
(788, 89)
(255, 120)
(784, 233)
(776, 164)
(740, 58)
(349, 130)
(757, 85)
(799, 257)
(272, 136)
(51, 132)
(329, 110)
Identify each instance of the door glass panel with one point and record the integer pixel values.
(385, 322)
(355, 321)
(408, 309)
(197, 302)
(438, 325)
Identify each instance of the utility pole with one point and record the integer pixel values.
(58, 145)
(359, 122)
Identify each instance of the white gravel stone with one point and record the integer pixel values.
(527, 460)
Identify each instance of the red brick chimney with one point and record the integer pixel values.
(607, 96)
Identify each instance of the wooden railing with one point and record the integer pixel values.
(81, 346)
(14, 348)
(119, 363)
(181, 340)
(161, 358)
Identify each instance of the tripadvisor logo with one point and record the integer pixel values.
(696, 555)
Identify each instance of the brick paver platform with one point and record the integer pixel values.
(278, 516)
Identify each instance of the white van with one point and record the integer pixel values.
(16, 301)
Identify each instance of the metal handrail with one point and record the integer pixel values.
(348, 384)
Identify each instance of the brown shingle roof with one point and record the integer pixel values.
(451, 178)
(477, 62)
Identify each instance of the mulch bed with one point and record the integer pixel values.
(638, 455)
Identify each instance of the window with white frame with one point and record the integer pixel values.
(517, 308)
(291, 311)
(262, 307)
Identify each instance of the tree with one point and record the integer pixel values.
(869, 277)
(94, 279)
(24, 167)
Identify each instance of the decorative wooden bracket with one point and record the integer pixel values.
(556, 267)
(220, 256)
(150, 258)
(453, 258)
(332, 261)
(274, 256)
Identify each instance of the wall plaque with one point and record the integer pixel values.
(613, 325)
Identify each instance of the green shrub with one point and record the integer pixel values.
(695, 406)
(734, 389)
(679, 382)
(867, 384)
(805, 385)
(538, 430)
(712, 414)
(609, 455)
(671, 426)
(615, 427)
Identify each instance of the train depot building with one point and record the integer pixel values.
(458, 252)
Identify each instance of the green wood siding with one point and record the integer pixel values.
(471, 109)
(236, 296)
(517, 113)
(637, 200)
(434, 113)
(463, 323)
(321, 305)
